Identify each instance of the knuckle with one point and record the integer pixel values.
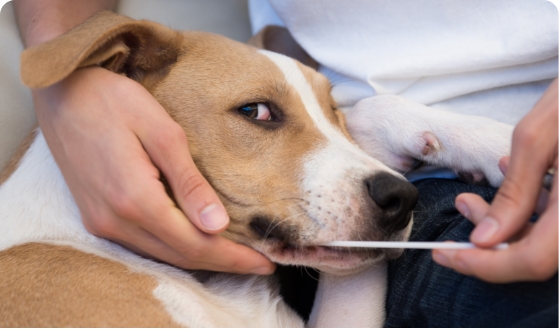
(171, 136)
(91, 226)
(523, 136)
(177, 132)
(510, 193)
(174, 133)
(190, 184)
(124, 206)
(102, 227)
(194, 252)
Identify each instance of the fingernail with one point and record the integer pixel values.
(441, 259)
(263, 270)
(213, 217)
(463, 209)
(485, 230)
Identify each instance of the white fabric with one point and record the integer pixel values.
(427, 51)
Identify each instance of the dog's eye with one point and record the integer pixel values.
(256, 111)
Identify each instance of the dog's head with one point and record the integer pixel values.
(262, 128)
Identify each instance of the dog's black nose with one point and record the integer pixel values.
(396, 197)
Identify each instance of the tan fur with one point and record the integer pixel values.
(12, 165)
(237, 75)
(57, 286)
(201, 79)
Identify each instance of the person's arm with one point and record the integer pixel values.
(532, 255)
(41, 21)
(110, 138)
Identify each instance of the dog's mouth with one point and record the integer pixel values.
(331, 259)
(288, 245)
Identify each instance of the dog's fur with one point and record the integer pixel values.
(288, 184)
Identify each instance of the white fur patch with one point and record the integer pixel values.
(336, 169)
(36, 206)
(395, 130)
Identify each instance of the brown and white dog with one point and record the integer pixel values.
(245, 110)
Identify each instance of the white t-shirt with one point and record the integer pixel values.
(487, 57)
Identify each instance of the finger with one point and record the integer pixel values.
(495, 266)
(472, 206)
(170, 225)
(533, 257)
(532, 154)
(167, 146)
(544, 194)
(148, 245)
(145, 204)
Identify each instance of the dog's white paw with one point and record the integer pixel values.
(399, 132)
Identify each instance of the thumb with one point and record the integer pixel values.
(168, 149)
(534, 145)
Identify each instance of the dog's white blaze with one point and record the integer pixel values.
(297, 80)
(335, 168)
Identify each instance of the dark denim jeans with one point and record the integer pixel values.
(423, 294)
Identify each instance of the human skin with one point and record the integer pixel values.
(111, 139)
(532, 255)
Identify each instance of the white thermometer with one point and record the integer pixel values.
(410, 245)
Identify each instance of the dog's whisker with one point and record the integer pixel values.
(416, 164)
(312, 277)
(269, 230)
(281, 199)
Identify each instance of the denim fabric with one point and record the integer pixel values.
(423, 294)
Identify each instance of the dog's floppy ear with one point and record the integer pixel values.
(279, 40)
(115, 42)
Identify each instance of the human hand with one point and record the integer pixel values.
(109, 136)
(532, 254)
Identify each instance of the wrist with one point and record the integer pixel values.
(41, 21)
(37, 35)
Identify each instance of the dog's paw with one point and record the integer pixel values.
(382, 133)
(400, 133)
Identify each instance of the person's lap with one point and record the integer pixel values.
(422, 293)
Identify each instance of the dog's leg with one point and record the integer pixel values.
(355, 300)
(397, 131)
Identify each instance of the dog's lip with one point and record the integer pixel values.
(316, 255)
(321, 248)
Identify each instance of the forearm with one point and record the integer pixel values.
(41, 21)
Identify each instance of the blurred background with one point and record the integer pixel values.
(226, 17)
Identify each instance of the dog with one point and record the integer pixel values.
(245, 110)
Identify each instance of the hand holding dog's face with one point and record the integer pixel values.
(263, 130)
